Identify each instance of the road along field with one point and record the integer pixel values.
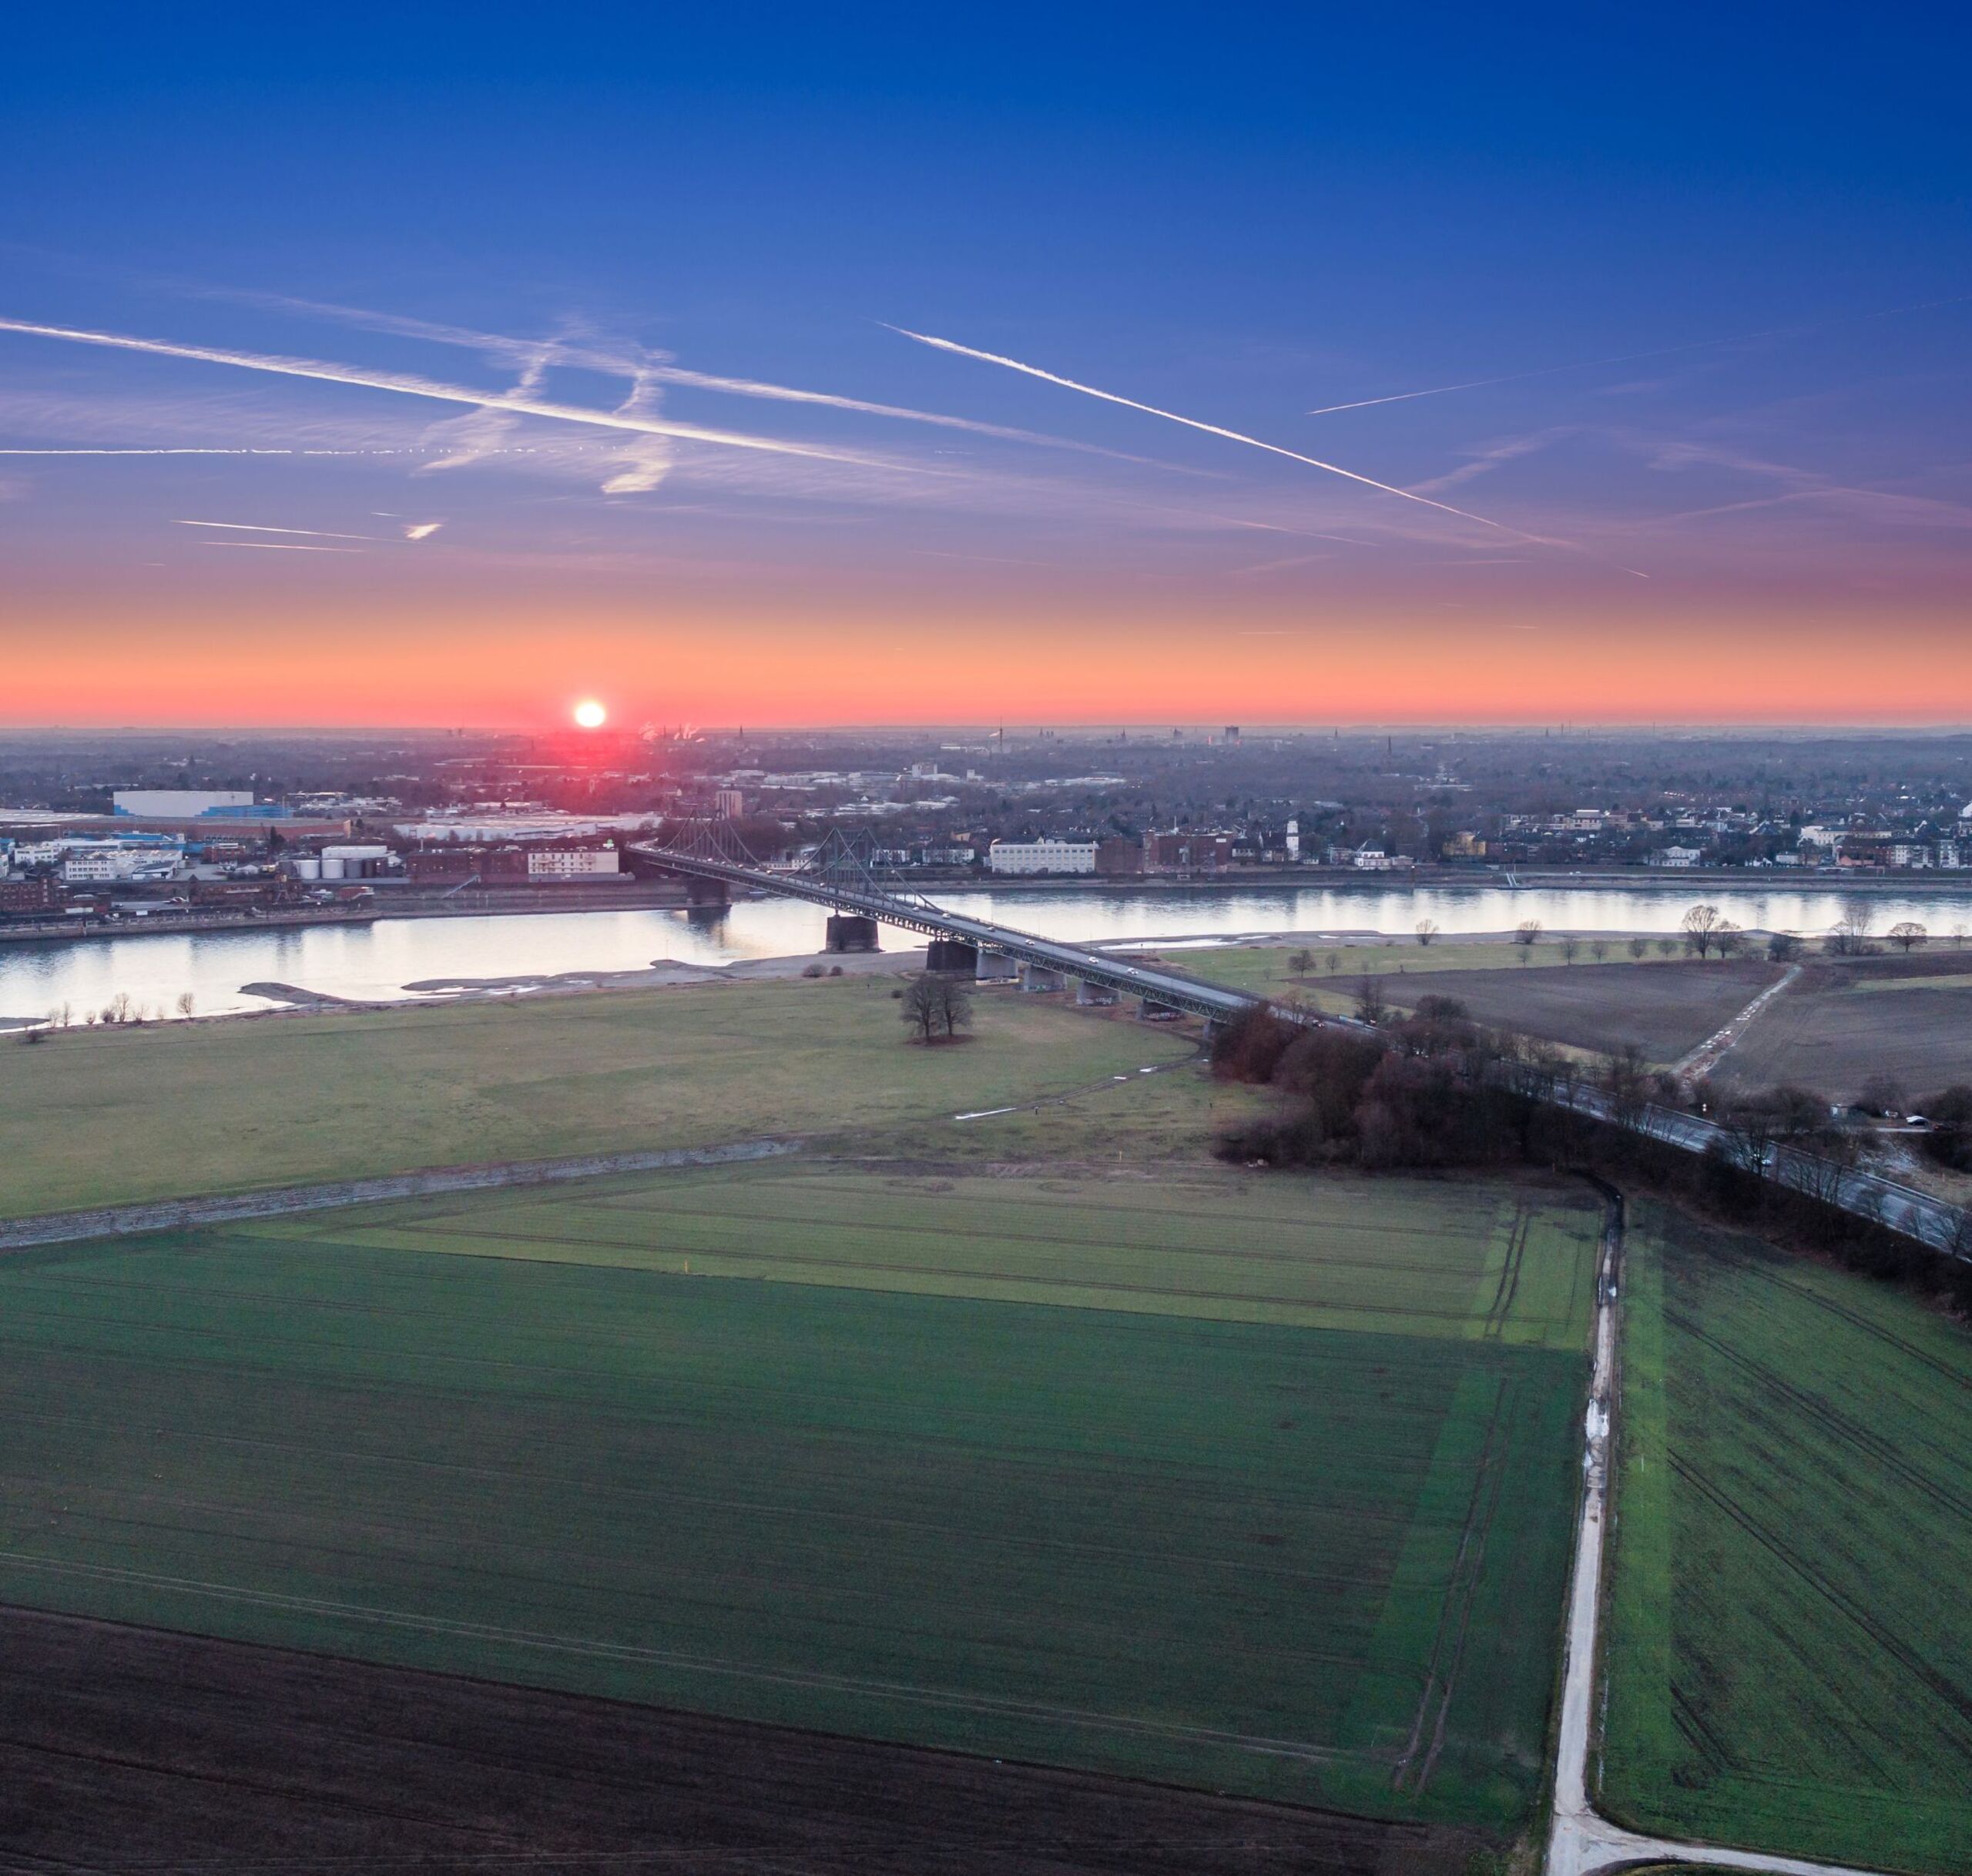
(117, 1116)
(1789, 1657)
(1261, 1486)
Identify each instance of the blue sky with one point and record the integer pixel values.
(1238, 215)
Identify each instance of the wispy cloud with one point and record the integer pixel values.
(1279, 566)
(1626, 358)
(1483, 462)
(647, 366)
(403, 385)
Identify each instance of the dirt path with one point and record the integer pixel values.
(1704, 1058)
(1581, 1843)
(174, 1215)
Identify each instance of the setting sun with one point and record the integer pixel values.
(590, 716)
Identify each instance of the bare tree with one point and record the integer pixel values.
(1783, 948)
(187, 1002)
(1599, 950)
(1372, 1006)
(1909, 936)
(1728, 940)
(1302, 962)
(1667, 947)
(1427, 929)
(1333, 961)
(1747, 1135)
(1625, 1078)
(1701, 925)
(1638, 948)
(121, 1008)
(954, 1005)
(921, 1006)
(1571, 949)
(1526, 935)
(1959, 934)
(1850, 935)
(1882, 1094)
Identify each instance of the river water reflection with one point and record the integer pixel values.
(377, 961)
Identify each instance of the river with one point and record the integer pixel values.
(377, 961)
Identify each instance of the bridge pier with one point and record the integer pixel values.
(849, 932)
(1150, 1010)
(1094, 996)
(707, 891)
(995, 967)
(1039, 977)
(952, 955)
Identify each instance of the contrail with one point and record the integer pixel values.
(632, 364)
(439, 392)
(257, 527)
(280, 547)
(190, 452)
(1215, 430)
(1629, 358)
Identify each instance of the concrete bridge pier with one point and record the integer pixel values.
(1150, 1010)
(1038, 977)
(707, 891)
(849, 931)
(1094, 996)
(995, 967)
(952, 955)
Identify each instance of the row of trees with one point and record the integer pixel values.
(1437, 1090)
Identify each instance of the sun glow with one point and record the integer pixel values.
(591, 715)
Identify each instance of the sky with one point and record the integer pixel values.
(1078, 365)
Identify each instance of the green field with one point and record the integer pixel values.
(1269, 967)
(114, 1116)
(1790, 1655)
(1264, 1485)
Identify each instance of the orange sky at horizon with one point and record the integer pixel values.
(419, 664)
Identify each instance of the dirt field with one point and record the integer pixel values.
(1666, 1008)
(121, 1748)
(1910, 1018)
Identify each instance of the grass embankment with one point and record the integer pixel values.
(1269, 967)
(119, 1116)
(896, 1489)
(1790, 1653)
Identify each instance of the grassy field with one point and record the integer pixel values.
(1281, 1504)
(1269, 967)
(1790, 1652)
(108, 1117)
(1390, 1257)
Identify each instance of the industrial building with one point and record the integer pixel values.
(185, 804)
(1038, 856)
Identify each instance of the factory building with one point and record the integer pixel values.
(1038, 856)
